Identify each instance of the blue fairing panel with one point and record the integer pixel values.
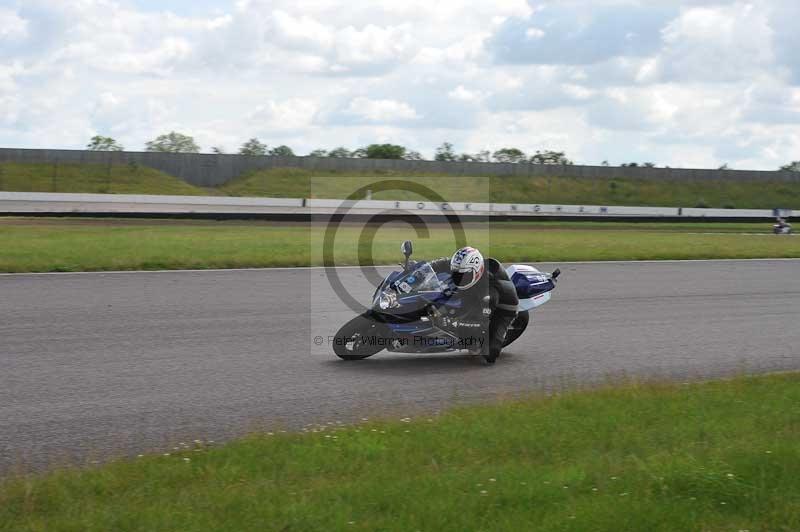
(431, 297)
(531, 284)
(410, 328)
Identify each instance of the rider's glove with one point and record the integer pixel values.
(439, 319)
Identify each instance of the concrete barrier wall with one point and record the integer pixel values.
(50, 203)
(151, 199)
(211, 169)
(135, 204)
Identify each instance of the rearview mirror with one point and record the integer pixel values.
(406, 248)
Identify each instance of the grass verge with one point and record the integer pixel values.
(300, 183)
(295, 182)
(94, 178)
(712, 456)
(95, 245)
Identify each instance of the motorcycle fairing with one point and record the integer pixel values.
(408, 320)
(533, 287)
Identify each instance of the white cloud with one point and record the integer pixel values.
(8, 73)
(373, 44)
(161, 59)
(382, 110)
(679, 82)
(717, 43)
(294, 113)
(578, 92)
(465, 95)
(534, 33)
(107, 102)
(12, 26)
(458, 54)
(302, 31)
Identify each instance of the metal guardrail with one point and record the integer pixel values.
(121, 204)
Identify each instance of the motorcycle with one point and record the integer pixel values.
(782, 228)
(401, 319)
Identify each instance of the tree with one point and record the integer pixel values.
(385, 151)
(550, 157)
(509, 155)
(340, 152)
(253, 148)
(281, 151)
(101, 143)
(173, 142)
(483, 156)
(637, 165)
(793, 166)
(360, 153)
(445, 153)
(412, 155)
(318, 153)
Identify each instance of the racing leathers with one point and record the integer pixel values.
(487, 309)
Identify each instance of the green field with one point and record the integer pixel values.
(289, 182)
(299, 183)
(719, 456)
(43, 245)
(89, 178)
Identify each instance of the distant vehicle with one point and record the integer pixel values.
(782, 227)
(401, 318)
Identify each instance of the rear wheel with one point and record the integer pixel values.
(517, 327)
(359, 338)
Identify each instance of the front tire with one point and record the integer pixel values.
(517, 327)
(359, 338)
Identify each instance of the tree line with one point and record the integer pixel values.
(174, 142)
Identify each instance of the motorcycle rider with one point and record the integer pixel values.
(489, 300)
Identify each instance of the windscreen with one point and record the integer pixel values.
(422, 278)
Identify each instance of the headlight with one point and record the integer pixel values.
(387, 300)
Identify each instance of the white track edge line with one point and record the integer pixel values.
(284, 268)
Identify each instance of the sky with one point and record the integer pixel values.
(684, 83)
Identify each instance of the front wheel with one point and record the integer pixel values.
(359, 338)
(517, 327)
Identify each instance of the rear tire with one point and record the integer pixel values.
(517, 327)
(349, 343)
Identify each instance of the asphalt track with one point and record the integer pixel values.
(107, 364)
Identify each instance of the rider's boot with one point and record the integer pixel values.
(498, 326)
